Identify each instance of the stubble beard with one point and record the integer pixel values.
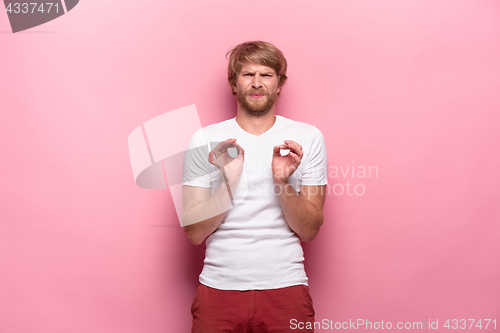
(257, 108)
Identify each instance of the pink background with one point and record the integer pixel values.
(411, 87)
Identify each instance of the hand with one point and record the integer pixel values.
(230, 167)
(284, 166)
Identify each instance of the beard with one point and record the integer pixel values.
(256, 107)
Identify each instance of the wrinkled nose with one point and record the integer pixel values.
(257, 81)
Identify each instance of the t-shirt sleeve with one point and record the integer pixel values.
(316, 162)
(197, 168)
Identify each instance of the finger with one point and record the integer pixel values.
(225, 144)
(241, 152)
(214, 154)
(211, 157)
(238, 148)
(230, 143)
(295, 147)
(277, 150)
(295, 157)
(232, 140)
(293, 143)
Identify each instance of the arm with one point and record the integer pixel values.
(303, 211)
(203, 213)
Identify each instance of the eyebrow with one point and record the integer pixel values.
(253, 72)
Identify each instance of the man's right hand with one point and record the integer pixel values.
(230, 167)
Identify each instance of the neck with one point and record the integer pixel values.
(255, 125)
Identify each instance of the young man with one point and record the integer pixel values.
(255, 186)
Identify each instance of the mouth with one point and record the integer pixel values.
(257, 95)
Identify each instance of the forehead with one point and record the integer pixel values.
(253, 67)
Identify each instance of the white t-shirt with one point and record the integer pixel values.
(254, 248)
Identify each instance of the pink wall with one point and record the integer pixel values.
(410, 88)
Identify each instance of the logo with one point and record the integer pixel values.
(161, 155)
(26, 14)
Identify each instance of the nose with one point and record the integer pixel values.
(257, 81)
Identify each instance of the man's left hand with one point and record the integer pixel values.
(284, 166)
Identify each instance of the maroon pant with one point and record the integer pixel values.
(251, 311)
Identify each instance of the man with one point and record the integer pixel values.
(255, 186)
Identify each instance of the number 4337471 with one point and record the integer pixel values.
(31, 8)
(470, 323)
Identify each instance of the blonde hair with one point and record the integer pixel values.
(259, 52)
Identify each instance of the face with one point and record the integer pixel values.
(256, 88)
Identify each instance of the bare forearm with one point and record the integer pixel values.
(203, 219)
(300, 214)
(204, 212)
(199, 231)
